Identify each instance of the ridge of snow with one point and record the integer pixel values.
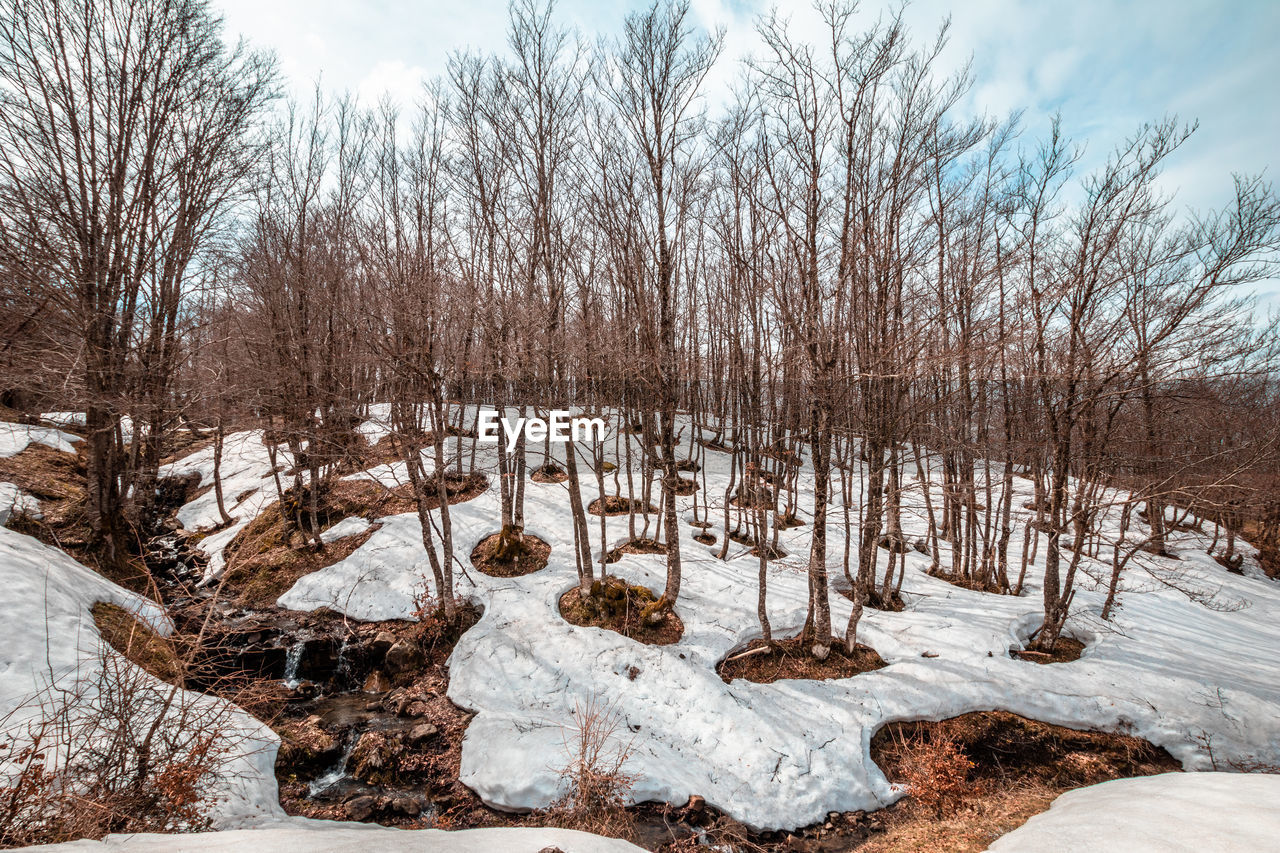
(15, 438)
(51, 637)
(1168, 813)
(15, 501)
(320, 836)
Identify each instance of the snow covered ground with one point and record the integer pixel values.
(14, 438)
(248, 488)
(329, 837)
(1171, 813)
(14, 501)
(1193, 676)
(50, 639)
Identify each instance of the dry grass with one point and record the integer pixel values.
(1017, 767)
(766, 663)
(970, 829)
(158, 655)
(594, 782)
(56, 478)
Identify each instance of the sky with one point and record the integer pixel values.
(1107, 66)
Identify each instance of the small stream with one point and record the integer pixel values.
(347, 732)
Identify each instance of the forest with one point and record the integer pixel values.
(846, 339)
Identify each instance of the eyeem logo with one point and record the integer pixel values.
(559, 428)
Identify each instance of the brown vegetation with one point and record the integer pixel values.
(765, 663)
(618, 606)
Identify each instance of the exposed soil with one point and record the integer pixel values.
(268, 557)
(973, 584)
(1010, 768)
(56, 479)
(156, 654)
(705, 538)
(549, 473)
(619, 606)
(764, 663)
(686, 486)
(1065, 650)
(787, 522)
(523, 557)
(875, 599)
(270, 554)
(771, 551)
(636, 546)
(754, 497)
(618, 505)
(702, 525)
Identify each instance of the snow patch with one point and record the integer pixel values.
(1169, 813)
(15, 438)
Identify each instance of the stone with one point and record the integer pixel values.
(422, 732)
(360, 808)
(415, 708)
(403, 657)
(550, 850)
(377, 682)
(406, 806)
(697, 803)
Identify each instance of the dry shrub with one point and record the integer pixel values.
(594, 782)
(937, 773)
(110, 750)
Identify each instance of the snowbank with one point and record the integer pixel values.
(1170, 813)
(14, 501)
(1181, 673)
(15, 438)
(248, 487)
(329, 837)
(50, 637)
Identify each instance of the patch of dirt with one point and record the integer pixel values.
(636, 546)
(705, 538)
(618, 606)
(618, 505)
(268, 557)
(875, 600)
(132, 638)
(686, 486)
(701, 525)
(512, 558)
(549, 473)
(56, 479)
(972, 584)
(771, 551)
(754, 497)
(1010, 768)
(1065, 650)
(787, 522)
(766, 663)
(270, 554)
